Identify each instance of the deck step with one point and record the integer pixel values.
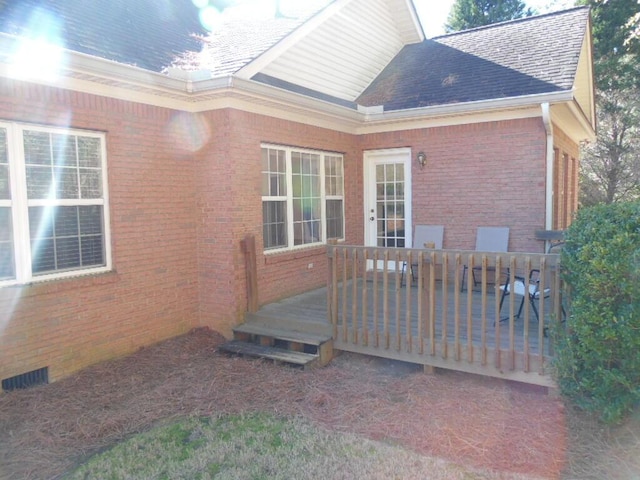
(291, 321)
(257, 329)
(286, 339)
(301, 359)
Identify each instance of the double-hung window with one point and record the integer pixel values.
(53, 203)
(302, 197)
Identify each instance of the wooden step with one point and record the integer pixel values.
(317, 344)
(290, 322)
(281, 334)
(301, 359)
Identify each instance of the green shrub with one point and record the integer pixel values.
(597, 359)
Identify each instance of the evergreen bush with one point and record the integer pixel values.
(597, 357)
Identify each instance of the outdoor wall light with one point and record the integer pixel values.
(422, 159)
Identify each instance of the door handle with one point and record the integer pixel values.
(371, 218)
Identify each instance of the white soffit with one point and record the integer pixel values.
(341, 55)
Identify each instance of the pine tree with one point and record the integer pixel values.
(467, 14)
(611, 167)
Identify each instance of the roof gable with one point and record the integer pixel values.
(524, 57)
(340, 52)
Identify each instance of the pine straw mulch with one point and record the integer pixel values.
(470, 420)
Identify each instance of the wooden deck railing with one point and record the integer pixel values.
(379, 305)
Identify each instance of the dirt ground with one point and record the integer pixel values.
(470, 420)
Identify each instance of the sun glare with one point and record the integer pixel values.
(40, 55)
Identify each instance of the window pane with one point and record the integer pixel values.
(39, 182)
(335, 222)
(7, 264)
(90, 220)
(306, 198)
(274, 224)
(5, 188)
(37, 148)
(67, 253)
(89, 154)
(41, 222)
(66, 183)
(90, 183)
(64, 150)
(92, 248)
(43, 256)
(274, 180)
(66, 221)
(64, 238)
(333, 175)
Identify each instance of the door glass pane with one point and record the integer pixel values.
(390, 205)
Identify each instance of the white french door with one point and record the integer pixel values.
(387, 194)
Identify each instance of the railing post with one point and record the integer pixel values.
(332, 299)
(251, 271)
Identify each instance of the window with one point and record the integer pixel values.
(53, 203)
(302, 197)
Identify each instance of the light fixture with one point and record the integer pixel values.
(422, 159)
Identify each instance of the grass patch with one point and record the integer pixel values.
(260, 446)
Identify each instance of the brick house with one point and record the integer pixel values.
(135, 158)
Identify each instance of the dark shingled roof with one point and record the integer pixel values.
(146, 33)
(522, 57)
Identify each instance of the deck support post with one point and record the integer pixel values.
(251, 272)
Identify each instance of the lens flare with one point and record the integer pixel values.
(39, 56)
(188, 133)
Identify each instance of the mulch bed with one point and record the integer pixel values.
(471, 420)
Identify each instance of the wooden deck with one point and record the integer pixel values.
(430, 321)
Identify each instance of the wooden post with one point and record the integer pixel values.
(332, 282)
(251, 271)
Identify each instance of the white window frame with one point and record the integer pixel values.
(289, 197)
(19, 204)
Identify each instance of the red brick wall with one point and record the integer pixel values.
(234, 179)
(566, 174)
(152, 292)
(485, 174)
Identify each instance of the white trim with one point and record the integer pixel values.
(416, 20)
(549, 193)
(21, 203)
(288, 198)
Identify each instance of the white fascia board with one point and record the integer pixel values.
(462, 112)
(264, 59)
(416, 20)
(592, 94)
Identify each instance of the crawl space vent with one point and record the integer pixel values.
(26, 380)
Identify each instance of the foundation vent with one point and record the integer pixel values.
(26, 380)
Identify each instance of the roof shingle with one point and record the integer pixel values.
(145, 33)
(522, 57)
